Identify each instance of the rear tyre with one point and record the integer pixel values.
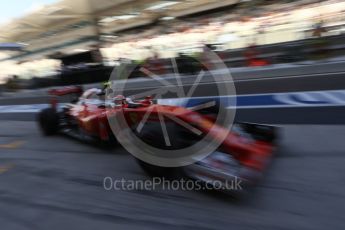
(49, 121)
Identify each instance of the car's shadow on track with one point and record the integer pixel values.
(103, 147)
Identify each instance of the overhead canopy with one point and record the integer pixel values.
(67, 12)
(11, 46)
(71, 25)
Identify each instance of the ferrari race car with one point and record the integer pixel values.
(243, 155)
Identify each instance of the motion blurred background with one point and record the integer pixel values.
(47, 42)
(287, 60)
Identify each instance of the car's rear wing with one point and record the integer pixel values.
(68, 93)
(76, 90)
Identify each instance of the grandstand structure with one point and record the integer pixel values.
(71, 26)
(136, 29)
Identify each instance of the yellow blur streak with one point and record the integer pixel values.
(12, 145)
(5, 168)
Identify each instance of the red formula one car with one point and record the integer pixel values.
(243, 155)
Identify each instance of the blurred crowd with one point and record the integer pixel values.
(234, 31)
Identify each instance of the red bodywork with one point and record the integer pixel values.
(92, 119)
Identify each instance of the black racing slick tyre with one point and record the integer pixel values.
(152, 135)
(48, 121)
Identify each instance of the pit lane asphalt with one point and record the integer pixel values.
(56, 183)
